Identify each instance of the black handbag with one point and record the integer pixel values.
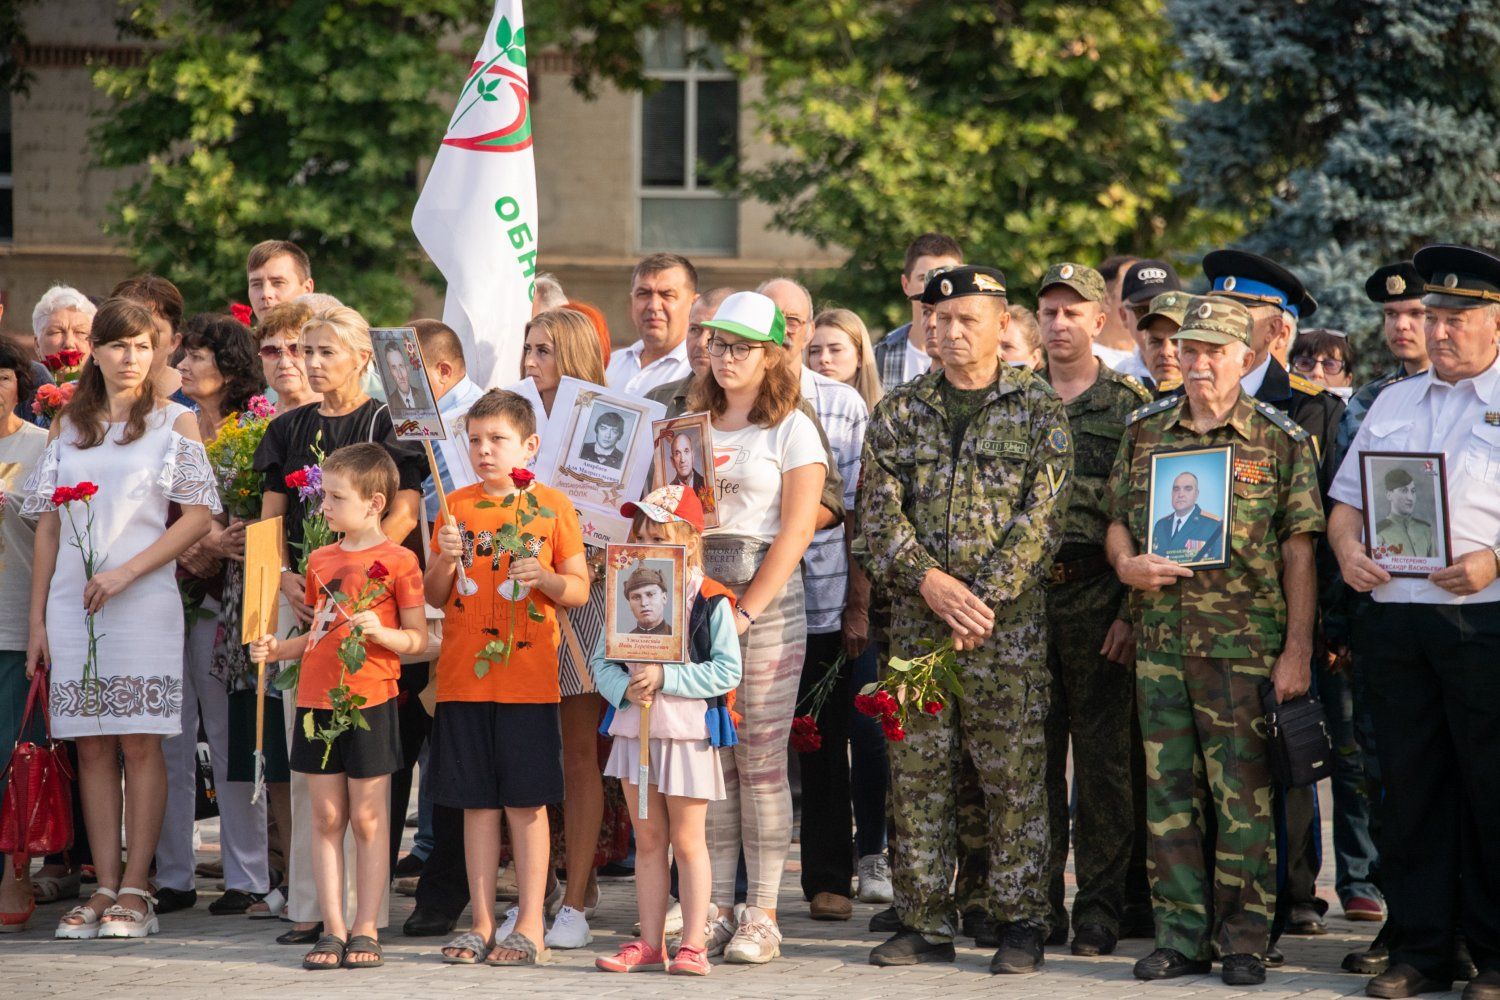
(1298, 744)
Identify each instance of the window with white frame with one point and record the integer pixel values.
(689, 127)
(7, 202)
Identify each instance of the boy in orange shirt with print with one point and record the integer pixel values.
(367, 588)
(496, 739)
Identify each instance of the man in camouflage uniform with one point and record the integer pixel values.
(966, 471)
(1207, 640)
(1088, 629)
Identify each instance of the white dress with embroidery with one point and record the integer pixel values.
(140, 630)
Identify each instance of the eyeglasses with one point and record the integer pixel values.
(1307, 365)
(277, 353)
(739, 350)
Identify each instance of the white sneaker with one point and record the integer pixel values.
(757, 941)
(720, 931)
(875, 879)
(674, 920)
(508, 924)
(569, 930)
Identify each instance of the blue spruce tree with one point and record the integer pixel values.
(1349, 132)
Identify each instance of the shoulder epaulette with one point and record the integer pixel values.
(1210, 516)
(1295, 430)
(1142, 412)
(1303, 385)
(1128, 381)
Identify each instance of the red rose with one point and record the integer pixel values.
(298, 479)
(85, 490)
(241, 312)
(377, 571)
(866, 704)
(522, 478)
(933, 707)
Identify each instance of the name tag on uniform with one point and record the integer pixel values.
(1005, 449)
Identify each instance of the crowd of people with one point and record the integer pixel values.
(945, 563)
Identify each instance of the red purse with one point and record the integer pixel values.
(36, 816)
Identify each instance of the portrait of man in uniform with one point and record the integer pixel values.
(1405, 511)
(646, 595)
(644, 603)
(1189, 493)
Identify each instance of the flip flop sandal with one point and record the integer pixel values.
(468, 941)
(519, 942)
(363, 943)
(328, 944)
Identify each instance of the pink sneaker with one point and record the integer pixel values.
(690, 962)
(637, 956)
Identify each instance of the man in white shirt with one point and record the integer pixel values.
(1429, 647)
(663, 288)
(902, 354)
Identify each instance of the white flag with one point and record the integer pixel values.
(476, 217)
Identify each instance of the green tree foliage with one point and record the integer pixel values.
(1033, 131)
(294, 119)
(1350, 134)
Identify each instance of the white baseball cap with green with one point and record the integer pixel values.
(750, 315)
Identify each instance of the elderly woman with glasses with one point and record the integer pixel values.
(1327, 358)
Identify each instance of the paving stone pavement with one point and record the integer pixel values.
(199, 955)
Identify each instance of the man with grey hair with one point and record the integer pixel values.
(547, 293)
(61, 321)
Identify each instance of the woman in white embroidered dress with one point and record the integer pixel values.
(143, 453)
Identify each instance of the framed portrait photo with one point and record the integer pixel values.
(1190, 493)
(685, 457)
(408, 392)
(645, 604)
(1406, 511)
(597, 449)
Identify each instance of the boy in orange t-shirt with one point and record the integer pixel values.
(368, 588)
(496, 739)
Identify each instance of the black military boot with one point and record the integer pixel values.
(1020, 950)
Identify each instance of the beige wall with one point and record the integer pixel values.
(586, 153)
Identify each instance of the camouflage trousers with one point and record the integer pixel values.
(1206, 756)
(1093, 701)
(998, 725)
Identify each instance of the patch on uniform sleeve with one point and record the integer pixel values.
(1057, 440)
(1055, 477)
(1003, 448)
(1295, 430)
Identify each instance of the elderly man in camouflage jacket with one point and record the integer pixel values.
(965, 474)
(1208, 639)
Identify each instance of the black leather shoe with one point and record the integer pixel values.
(234, 902)
(1273, 958)
(1304, 918)
(885, 921)
(1485, 986)
(172, 900)
(410, 866)
(1242, 970)
(1093, 940)
(427, 922)
(1169, 963)
(309, 936)
(1058, 936)
(1403, 981)
(908, 947)
(1371, 962)
(1020, 951)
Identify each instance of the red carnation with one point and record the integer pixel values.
(85, 490)
(866, 704)
(933, 707)
(377, 571)
(892, 729)
(297, 480)
(886, 703)
(805, 735)
(63, 360)
(64, 494)
(241, 312)
(522, 478)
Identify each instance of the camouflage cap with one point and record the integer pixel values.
(1214, 319)
(1167, 305)
(1084, 280)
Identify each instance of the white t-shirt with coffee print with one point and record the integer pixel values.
(748, 466)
